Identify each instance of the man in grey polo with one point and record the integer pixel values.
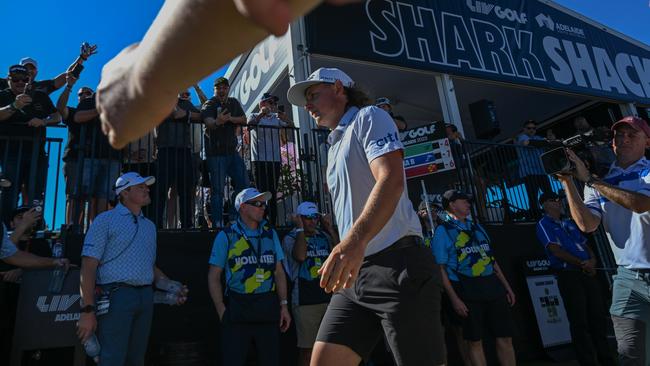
(621, 201)
(385, 281)
(118, 257)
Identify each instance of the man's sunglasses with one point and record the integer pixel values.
(310, 217)
(257, 204)
(85, 92)
(18, 79)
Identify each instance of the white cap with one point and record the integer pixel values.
(28, 60)
(130, 179)
(307, 209)
(296, 94)
(250, 194)
(382, 101)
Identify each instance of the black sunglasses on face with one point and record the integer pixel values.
(81, 94)
(257, 204)
(310, 217)
(17, 79)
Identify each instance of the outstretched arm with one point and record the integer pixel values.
(139, 86)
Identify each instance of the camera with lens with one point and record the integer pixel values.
(594, 150)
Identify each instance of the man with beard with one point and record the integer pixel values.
(222, 115)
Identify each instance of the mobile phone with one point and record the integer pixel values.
(281, 108)
(76, 70)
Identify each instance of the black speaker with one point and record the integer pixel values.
(484, 119)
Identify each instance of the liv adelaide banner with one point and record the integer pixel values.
(426, 150)
(516, 41)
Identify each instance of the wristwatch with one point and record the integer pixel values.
(88, 309)
(284, 302)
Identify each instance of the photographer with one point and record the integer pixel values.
(175, 169)
(265, 128)
(621, 201)
(24, 113)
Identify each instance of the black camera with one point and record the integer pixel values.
(594, 150)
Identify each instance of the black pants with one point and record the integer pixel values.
(236, 339)
(267, 174)
(587, 315)
(175, 169)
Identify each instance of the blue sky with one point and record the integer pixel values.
(53, 30)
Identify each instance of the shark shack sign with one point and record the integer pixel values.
(515, 41)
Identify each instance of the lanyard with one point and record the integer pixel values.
(258, 252)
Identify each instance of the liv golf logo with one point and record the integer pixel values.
(59, 304)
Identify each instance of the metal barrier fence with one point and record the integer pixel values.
(25, 159)
(505, 180)
(189, 172)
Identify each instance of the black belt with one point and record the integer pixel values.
(404, 242)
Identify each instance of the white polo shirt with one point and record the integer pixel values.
(628, 232)
(362, 136)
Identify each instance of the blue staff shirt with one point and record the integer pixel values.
(240, 261)
(472, 263)
(564, 233)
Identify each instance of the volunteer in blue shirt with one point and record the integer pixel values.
(306, 248)
(479, 292)
(621, 201)
(250, 254)
(574, 263)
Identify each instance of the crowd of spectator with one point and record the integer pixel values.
(202, 155)
(198, 157)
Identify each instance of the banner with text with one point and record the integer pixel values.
(426, 150)
(262, 67)
(517, 41)
(551, 317)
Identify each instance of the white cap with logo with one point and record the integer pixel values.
(250, 194)
(307, 209)
(296, 94)
(131, 179)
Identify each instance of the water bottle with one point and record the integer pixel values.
(92, 347)
(165, 284)
(58, 274)
(161, 297)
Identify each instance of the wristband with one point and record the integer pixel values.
(300, 230)
(284, 302)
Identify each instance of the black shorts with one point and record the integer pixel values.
(397, 295)
(493, 315)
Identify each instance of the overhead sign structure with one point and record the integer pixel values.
(262, 68)
(517, 41)
(426, 150)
